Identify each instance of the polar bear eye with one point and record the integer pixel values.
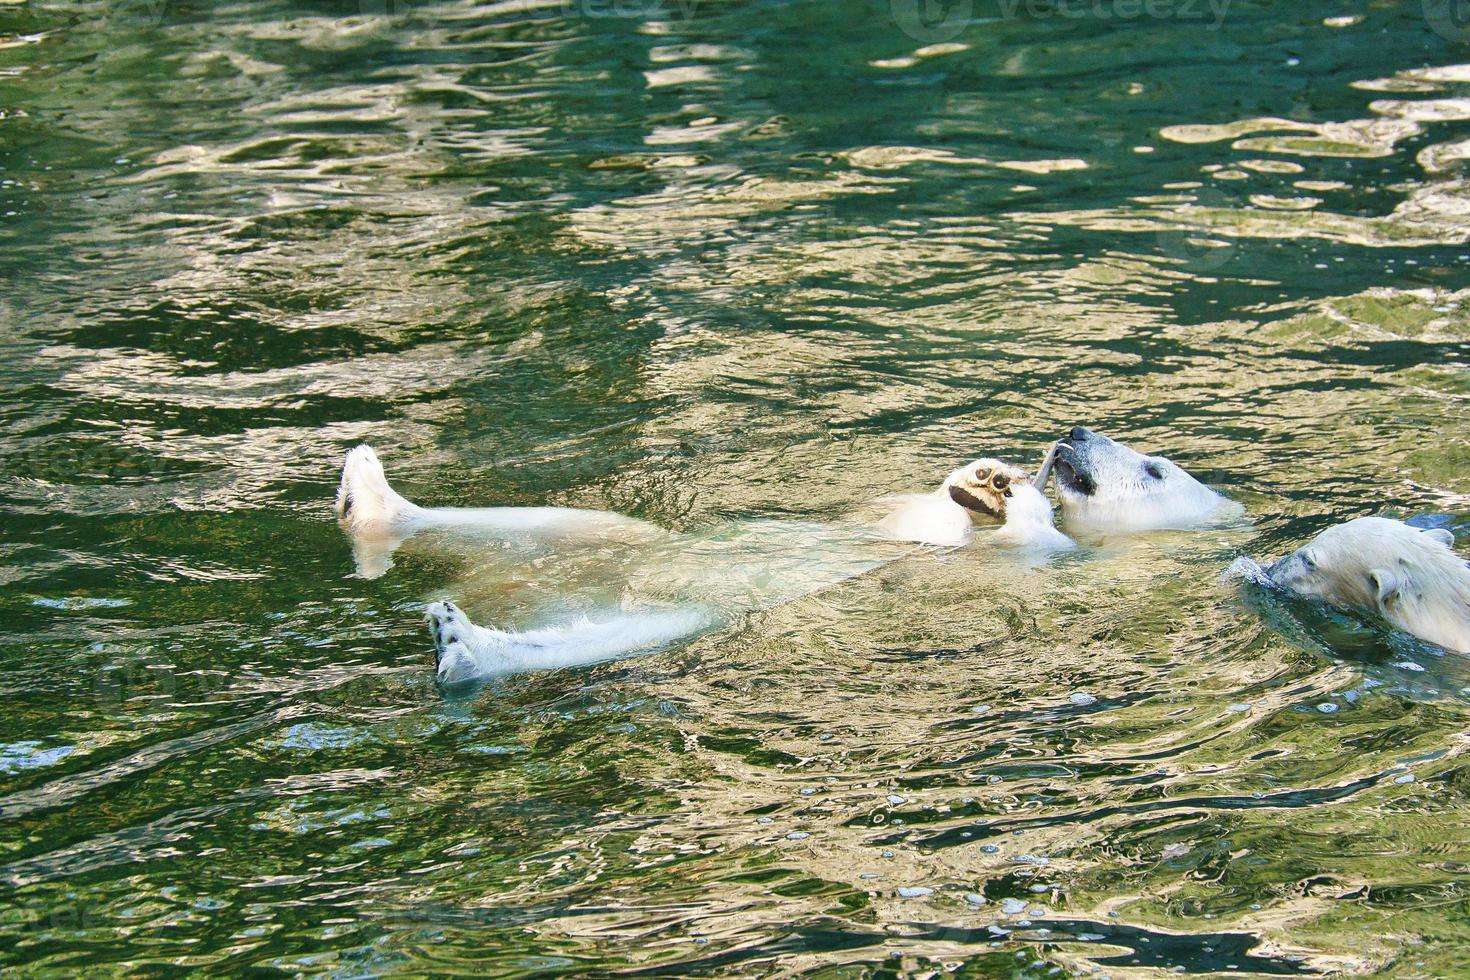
(1152, 469)
(982, 474)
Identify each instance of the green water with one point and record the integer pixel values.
(698, 262)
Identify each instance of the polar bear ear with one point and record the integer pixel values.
(1385, 586)
(1441, 535)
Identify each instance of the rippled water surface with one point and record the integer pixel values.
(703, 261)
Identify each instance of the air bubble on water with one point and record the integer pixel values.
(975, 898)
(798, 835)
(896, 800)
(1238, 708)
(762, 819)
(1038, 889)
(808, 791)
(980, 709)
(1327, 707)
(990, 848)
(888, 854)
(1012, 906)
(868, 876)
(1082, 698)
(915, 891)
(1409, 665)
(1407, 777)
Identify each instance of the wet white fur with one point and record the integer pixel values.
(378, 520)
(1127, 497)
(1408, 576)
(934, 518)
(469, 652)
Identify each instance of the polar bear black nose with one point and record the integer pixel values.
(1079, 434)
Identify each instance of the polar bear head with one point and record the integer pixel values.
(1105, 485)
(1408, 576)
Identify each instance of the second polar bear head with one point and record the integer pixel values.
(1409, 576)
(1106, 486)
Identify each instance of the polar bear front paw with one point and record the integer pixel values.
(452, 633)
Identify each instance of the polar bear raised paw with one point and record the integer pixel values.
(452, 634)
(464, 651)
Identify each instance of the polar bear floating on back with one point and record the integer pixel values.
(750, 565)
(1409, 577)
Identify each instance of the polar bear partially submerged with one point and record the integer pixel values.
(1406, 575)
(988, 491)
(683, 584)
(1105, 486)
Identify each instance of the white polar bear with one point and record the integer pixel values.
(710, 576)
(1103, 485)
(986, 488)
(1406, 575)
